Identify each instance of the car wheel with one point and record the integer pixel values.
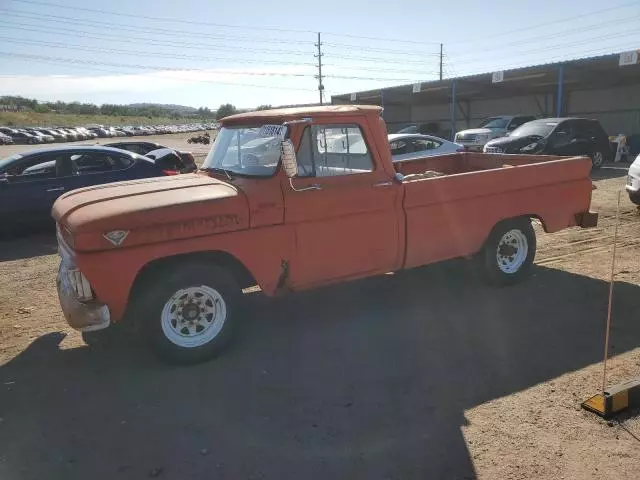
(509, 252)
(189, 313)
(597, 159)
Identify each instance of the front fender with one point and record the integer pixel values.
(112, 273)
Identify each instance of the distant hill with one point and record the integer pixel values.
(179, 109)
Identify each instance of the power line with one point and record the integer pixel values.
(78, 61)
(564, 45)
(160, 19)
(146, 54)
(380, 50)
(571, 19)
(584, 29)
(196, 22)
(377, 69)
(134, 28)
(148, 67)
(190, 79)
(601, 51)
(377, 60)
(118, 38)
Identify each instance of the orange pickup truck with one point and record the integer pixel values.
(292, 199)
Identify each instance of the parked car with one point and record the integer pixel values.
(5, 139)
(24, 138)
(557, 136)
(492, 127)
(30, 182)
(175, 255)
(185, 161)
(422, 128)
(100, 132)
(410, 146)
(44, 137)
(633, 181)
(57, 136)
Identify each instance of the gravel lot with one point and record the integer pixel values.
(426, 374)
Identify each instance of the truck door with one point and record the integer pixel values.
(345, 209)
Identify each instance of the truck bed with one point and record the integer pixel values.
(453, 201)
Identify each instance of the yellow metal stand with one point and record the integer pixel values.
(619, 397)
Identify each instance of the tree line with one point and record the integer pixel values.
(79, 108)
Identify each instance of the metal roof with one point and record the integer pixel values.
(584, 74)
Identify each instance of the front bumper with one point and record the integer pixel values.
(472, 147)
(83, 316)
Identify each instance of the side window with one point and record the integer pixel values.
(333, 151)
(563, 128)
(421, 145)
(87, 163)
(399, 147)
(341, 151)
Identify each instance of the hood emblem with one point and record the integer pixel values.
(116, 237)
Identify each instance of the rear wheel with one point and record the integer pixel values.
(509, 251)
(189, 313)
(597, 159)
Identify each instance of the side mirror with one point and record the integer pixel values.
(288, 157)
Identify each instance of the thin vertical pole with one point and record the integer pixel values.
(453, 109)
(613, 266)
(441, 62)
(560, 91)
(319, 55)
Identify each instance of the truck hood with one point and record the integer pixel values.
(138, 212)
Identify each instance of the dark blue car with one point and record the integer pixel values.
(30, 182)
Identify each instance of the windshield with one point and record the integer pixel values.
(253, 151)
(497, 122)
(534, 129)
(6, 161)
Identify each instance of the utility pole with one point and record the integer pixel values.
(440, 62)
(319, 76)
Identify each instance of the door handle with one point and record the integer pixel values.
(56, 189)
(383, 184)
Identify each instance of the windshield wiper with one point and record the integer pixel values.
(217, 169)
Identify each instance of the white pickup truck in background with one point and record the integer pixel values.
(490, 128)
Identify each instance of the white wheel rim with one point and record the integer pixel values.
(193, 316)
(597, 159)
(512, 251)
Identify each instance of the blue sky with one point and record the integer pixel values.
(248, 52)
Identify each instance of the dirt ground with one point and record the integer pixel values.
(426, 374)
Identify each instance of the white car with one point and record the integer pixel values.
(409, 146)
(492, 127)
(633, 181)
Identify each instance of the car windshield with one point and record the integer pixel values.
(495, 123)
(252, 151)
(6, 161)
(534, 129)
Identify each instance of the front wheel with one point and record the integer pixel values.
(189, 313)
(509, 252)
(597, 159)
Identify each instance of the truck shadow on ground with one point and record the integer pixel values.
(363, 380)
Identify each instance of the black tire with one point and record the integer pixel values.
(522, 230)
(159, 292)
(597, 159)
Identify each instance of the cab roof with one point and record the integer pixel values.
(284, 114)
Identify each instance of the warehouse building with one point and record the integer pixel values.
(606, 88)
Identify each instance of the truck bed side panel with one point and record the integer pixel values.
(451, 216)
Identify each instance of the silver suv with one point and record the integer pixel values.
(490, 128)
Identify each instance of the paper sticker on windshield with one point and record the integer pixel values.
(273, 131)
